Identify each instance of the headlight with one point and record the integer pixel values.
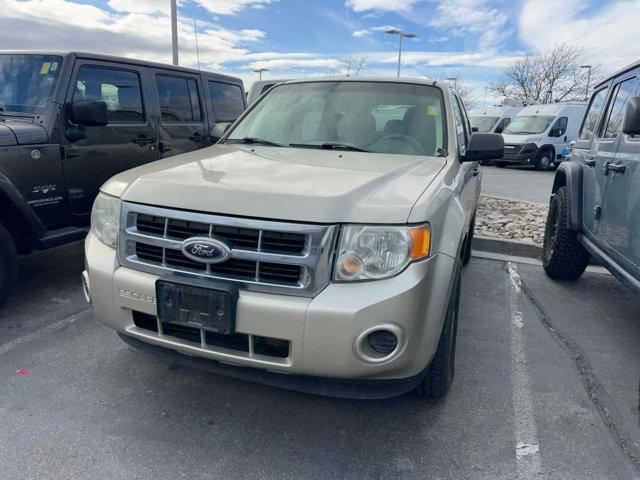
(376, 252)
(105, 219)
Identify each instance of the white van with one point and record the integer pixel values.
(539, 134)
(260, 87)
(492, 120)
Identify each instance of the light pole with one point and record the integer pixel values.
(260, 70)
(174, 31)
(586, 93)
(401, 34)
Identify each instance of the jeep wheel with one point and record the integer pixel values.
(440, 375)
(468, 243)
(563, 257)
(544, 161)
(8, 263)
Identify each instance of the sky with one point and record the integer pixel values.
(468, 39)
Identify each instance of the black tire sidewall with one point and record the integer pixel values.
(544, 154)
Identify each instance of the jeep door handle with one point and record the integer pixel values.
(143, 140)
(614, 167)
(165, 147)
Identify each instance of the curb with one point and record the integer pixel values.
(506, 247)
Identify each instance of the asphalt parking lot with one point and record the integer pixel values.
(518, 183)
(546, 387)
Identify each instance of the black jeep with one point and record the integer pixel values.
(69, 121)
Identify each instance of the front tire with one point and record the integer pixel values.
(468, 244)
(440, 374)
(563, 256)
(8, 263)
(544, 161)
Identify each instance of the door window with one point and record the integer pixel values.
(227, 101)
(460, 128)
(179, 99)
(560, 127)
(615, 112)
(590, 122)
(119, 89)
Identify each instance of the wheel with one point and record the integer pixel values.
(8, 263)
(563, 257)
(468, 244)
(544, 161)
(440, 375)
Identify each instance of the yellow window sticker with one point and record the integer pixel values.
(46, 66)
(432, 111)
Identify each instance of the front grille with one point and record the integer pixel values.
(265, 255)
(243, 238)
(240, 342)
(232, 268)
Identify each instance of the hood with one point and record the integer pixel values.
(522, 139)
(320, 186)
(23, 133)
(7, 138)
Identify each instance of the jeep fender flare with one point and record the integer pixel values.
(10, 194)
(569, 174)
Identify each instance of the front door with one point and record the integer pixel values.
(182, 126)
(584, 151)
(621, 205)
(94, 154)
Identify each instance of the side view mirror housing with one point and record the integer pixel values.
(631, 124)
(484, 146)
(219, 129)
(89, 113)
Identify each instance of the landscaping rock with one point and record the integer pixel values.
(512, 220)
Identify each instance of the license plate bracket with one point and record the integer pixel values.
(195, 303)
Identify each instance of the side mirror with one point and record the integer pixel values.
(631, 124)
(89, 113)
(484, 146)
(219, 129)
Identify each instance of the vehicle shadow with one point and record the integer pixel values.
(47, 289)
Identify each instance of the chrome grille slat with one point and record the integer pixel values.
(302, 268)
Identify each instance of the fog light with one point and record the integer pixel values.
(383, 341)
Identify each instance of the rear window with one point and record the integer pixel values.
(227, 101)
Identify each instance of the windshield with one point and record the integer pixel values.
(483, 124)
(27, 81)
(522, 125)
(396, 118)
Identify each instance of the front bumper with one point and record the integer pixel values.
(321, 331)
(519, 154)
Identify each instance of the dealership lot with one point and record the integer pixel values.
(546, 384)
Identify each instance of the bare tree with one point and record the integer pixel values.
(463, 88)
(550, 77)
(352, 64)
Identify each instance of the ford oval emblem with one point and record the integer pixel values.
(206, 250)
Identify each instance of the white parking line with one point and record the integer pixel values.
(527, 450)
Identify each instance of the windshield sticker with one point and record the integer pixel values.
(46, 66)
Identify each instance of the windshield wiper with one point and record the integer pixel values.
(253, 141)
(329, 146)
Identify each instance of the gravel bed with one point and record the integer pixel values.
(511, 220)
